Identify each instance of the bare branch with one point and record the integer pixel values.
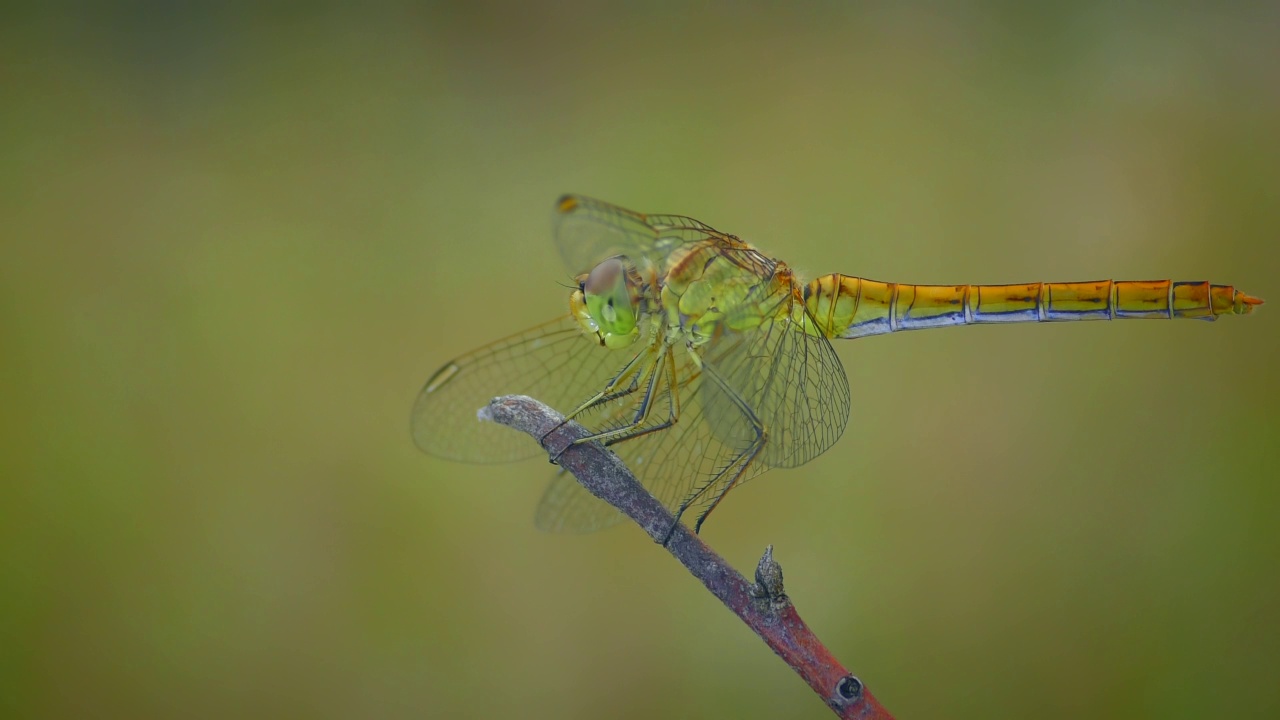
(763, 606)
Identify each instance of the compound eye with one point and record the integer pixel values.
(607, 295)
(603, 278)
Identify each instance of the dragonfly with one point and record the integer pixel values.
(702, 362)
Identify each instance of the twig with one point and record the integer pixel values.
(763, 606)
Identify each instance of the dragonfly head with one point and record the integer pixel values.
(607, 302)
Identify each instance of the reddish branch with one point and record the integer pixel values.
(762, 605)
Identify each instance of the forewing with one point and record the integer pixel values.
(553, 362)
(587, 231)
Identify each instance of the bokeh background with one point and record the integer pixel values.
(235, 241)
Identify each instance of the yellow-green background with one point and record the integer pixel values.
(236, 241)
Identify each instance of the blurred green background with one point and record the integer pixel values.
(236, 241)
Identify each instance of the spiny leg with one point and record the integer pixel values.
(610, 390)
(608, 393)
(697, 526)
(634, 430)
(621, 394)
(741, 461)
(642, 411)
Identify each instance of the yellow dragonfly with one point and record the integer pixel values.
(702, 362)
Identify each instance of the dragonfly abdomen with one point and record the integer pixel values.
(852, 307)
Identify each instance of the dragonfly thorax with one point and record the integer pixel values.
(607, 302)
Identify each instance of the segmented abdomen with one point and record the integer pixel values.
(851, 307)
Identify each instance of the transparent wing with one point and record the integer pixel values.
(567, 507)
(773, 376)
(791, 379)
(587, 231)
(552, 362)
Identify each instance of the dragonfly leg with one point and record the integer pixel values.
(610, 390)
(697, 526)
(635, 427)
(614, 396)
(642, 411)
(608, 393)
(742, 461)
